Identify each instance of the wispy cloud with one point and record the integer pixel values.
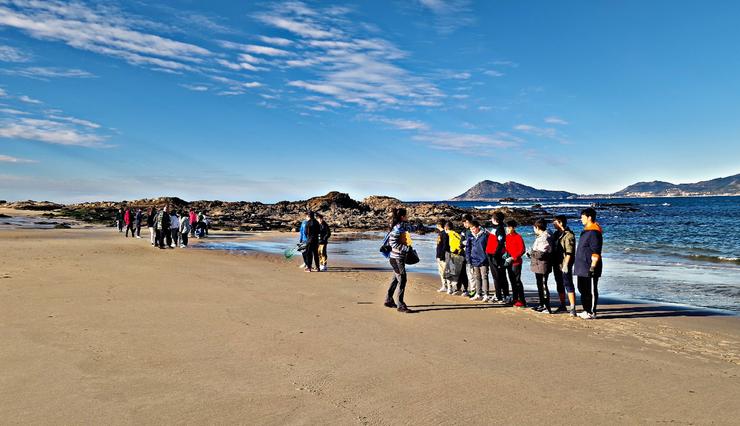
(449, 14)
(195, 87)
(277, 41)
(12, 54)
(29, 100)
(15, 160)
(265, 50)
(543, 132)
(46, 73)
(48, 131)
(555, 120)
(398, 123)
(493, 73)
(472, 143)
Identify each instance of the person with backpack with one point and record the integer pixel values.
(324, 234)
(313, 229)
(588, 264)
(495, 250)
(562, 264)
(479, 261)
(515, 249)
(399, 242)
(540, 264)
(443, 247)
(455, 261)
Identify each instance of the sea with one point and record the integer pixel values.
(683, 251)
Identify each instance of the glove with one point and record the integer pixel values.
(508, 261)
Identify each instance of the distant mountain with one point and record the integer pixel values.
(721, 186)
(492, 191)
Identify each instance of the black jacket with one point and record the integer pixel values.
(443, 244)
(324, 233)
(313, 229)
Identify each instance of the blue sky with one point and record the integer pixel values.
(417, 99)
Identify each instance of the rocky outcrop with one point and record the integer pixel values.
(33, 205)
(339, 209)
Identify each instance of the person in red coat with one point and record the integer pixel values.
(128, 218)
(515, 249)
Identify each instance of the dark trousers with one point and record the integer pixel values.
(175, 234)
(159, 238)
(137, 226)
(119, 224)
(462, 281)
(167, 235)
(399, 280)
(515, 277)
(130, 227)
(498, 272)
(589, 289)
(542, 289)
(184, 238)
(192, 228)
(563, 280)
(312, 254)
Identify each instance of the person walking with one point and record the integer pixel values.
(479, 261)
(540, 264)
(184, 229)
(399, 240)
(119, 219)
(495, 250)
(193, 220)
(588, 265)
(562, 264)
(137, 222)
(515, 249)
(174, 228)
(312, 243)
(443, 247)
(150, 219)
(324, 234)
(128, 218)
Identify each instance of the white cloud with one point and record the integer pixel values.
(195, 87)
(450, 14)
(474, 143)
(49, 131)
(73, 120)
(252, 84)
(493, 73)
(12, 111)
(399, 123)
(9, 159)
(266, 50)
(29, 100)
(45, 73)
(3, 93)
(11, 54)
(277, 41)
(547, 132)
(461, 75)
(555, 120)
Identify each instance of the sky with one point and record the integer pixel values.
(416, 99)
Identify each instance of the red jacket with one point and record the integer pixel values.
(515, 248)
(127, 217)
(193, 218)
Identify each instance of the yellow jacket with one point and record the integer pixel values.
(455, 241)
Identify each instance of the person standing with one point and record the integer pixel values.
(162, 227)
(174, 228)
(184, 229)
(302, 239)
(129, 220)
(399, 241)
(150, 219)
(324, 234)
(588, 264)
(467, 238)
(443, 247)
(193, 220)
(479, 261)
(515, 249)
(119, 219)
(540, 264)
(455, 268)
(137, 222)
(495, 250)
(312, 242)
(562, 263)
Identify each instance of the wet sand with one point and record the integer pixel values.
(97, 328)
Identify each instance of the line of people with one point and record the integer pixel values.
(465, 260)
(167, 228)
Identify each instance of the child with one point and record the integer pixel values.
(540, 264)
(562, 263)
(479, 261)
(513, 260)
(455, 261)
(443, 246)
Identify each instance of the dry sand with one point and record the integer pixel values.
(100, 329)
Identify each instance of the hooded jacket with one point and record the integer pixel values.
(540, 262)
(324, 233)
(400, 240)
(565, 245)
(589, 248)
(497, 241)
(454, 242)
(478, 244)
(515, 248)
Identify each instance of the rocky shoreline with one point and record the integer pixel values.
(340, 210)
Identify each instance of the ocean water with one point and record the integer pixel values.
(672, 250)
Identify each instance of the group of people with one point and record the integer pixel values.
(313, 239)
(465, 261)
(167, 228)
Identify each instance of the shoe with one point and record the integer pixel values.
(442, 289)
(546, 310)
(538, 308)
(559, 310)
(307, 270)
(572, 313)
(302, 265)
(390, 304)
(509, 300)
(476, 297)
(450, 291)
(520, 304)
(585, 315)
(405, 309)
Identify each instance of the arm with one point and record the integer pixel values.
(394, 239)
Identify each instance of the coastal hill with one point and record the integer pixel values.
(491, 191)
(729, 185)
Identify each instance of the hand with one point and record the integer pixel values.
(564, 267)
(592, 271)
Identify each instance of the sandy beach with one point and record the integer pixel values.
(100, 329)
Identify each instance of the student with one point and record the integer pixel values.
(206, 223)
(467, 238)
(399, 240)
(162, 226)
(588, 265)
(174, 228)
(137, 222)
(324, 234)
(150, 218)
(495, 250)
(443, 247)
(479, 261)
(312, 243)
(455, 261)
(513, 260)
(119, 219)
(184, 229)
(193, 220)
(562, 263)
(129, 220)
(302, 238)
(540, 264)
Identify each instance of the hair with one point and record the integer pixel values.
(319, 216)
(475, 224)
(467, 217)
(499, 216)
(310, 214)
(540, 224)
(397, 214)
(512, 224)
(562, 219)
(442, 222)
(589, 212)
(449, 224)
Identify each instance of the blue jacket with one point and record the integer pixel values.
(478, 256)
(589, 247)
(468, 242)
(304, 235)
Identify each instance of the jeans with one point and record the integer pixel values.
(399, 280)
(515, 277)
(184, 239)
(589, 289)
(137, 227)
(480, 278)
(175, 234)
(563, 280)
(130, 227)
(160, 237)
